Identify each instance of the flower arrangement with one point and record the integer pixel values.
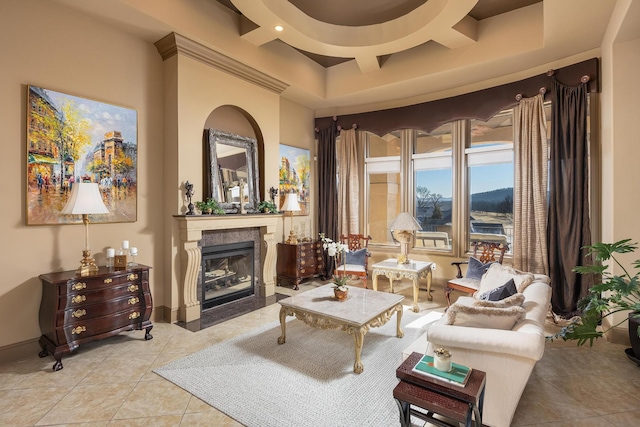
(335, 250)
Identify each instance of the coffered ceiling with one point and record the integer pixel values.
(345, 56)
(368, 31)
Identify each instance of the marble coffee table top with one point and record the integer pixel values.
(359, 308)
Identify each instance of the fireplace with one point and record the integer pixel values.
(228, 273)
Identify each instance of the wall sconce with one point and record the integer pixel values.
(404, 225)
(85, 200)
(290, 206)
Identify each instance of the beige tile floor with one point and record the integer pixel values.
(111, 383)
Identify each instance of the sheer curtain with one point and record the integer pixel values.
(327, 190)
(568, 225)
(348, 183)
(531, 176)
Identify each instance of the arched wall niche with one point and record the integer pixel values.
(233, 119)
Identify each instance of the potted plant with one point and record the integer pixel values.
(613, 293)
(337, 250)
(209, 206)
(267, 206)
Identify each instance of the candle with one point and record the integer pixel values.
(111, 252)
(125, 244)
(133, 251)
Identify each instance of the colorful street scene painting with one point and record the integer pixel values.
(72, 139)
(295, 173)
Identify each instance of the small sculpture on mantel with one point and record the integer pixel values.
(242, 209)
(273, 192)
(189, 187)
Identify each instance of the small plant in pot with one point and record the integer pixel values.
(337, 250)
(613, 294)
(209, 206)
(267, 206)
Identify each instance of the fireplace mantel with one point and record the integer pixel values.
(191, 228)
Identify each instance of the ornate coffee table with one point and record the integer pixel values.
(362, 310)
(412, 270)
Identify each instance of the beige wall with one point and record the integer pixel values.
(49, 46)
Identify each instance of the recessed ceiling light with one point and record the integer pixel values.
(278, 28)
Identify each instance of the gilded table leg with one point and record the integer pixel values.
(416, 307)
(358, 338)
(429, 296)
(283, 325)
(399, 331)
(375, 281)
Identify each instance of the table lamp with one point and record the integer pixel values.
(404, 225)
(290, 206)
(85, 200)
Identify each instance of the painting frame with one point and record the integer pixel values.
(294, 174)
(71, 139)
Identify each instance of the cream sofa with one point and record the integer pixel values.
(507, 356)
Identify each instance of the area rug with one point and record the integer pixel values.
(308, 381)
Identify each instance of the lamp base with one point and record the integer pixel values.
(88, 265)
(293, 239)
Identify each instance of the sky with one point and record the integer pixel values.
(483, 178)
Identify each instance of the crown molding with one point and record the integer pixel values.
(174, 43)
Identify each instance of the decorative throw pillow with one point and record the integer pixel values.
(465, 313)
(500, 293)
(516, 299)
(477, 268)
(356, 257)
(499, 274)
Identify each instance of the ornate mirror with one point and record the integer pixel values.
(232, 171)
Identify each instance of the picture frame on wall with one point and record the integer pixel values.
(295, 174)
(73, 139)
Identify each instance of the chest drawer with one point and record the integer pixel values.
(90, 328)
(90, 311)
(82, 298)
(83, 284)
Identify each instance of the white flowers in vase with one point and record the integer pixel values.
(336, 251)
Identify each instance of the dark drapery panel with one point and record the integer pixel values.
(327, 189)
(568, 224)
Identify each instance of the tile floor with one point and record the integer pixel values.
(111, 383)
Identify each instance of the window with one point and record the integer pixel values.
(433, 171)
(383, 186)
(489, 159)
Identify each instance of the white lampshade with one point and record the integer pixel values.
(85, 199)
(405, 221)
(291, 203)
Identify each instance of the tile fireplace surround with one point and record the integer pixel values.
(191, 229)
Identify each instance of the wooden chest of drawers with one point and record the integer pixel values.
(298, 262)
(76, 310)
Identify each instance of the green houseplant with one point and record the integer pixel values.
(209, 206)
(613, 293)
(267, 206)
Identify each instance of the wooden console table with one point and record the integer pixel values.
(298, 262)
(75, 310)
(413, 271)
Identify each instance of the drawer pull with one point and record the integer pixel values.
(132, 276)
(132, 288)
(78, 330)
(303, 270)
(134, 315)
(133, 300)
(78, 298)
(79, 286)
(303, 262)
(303, 254)
(79, 313)
(109, 280)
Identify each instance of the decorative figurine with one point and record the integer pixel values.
(189, 187)
(273, 193)
(242, 184)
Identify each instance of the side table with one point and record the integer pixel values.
(462, 404)
(413, 270)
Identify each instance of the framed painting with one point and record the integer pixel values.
(72, 139)
(295, 171)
